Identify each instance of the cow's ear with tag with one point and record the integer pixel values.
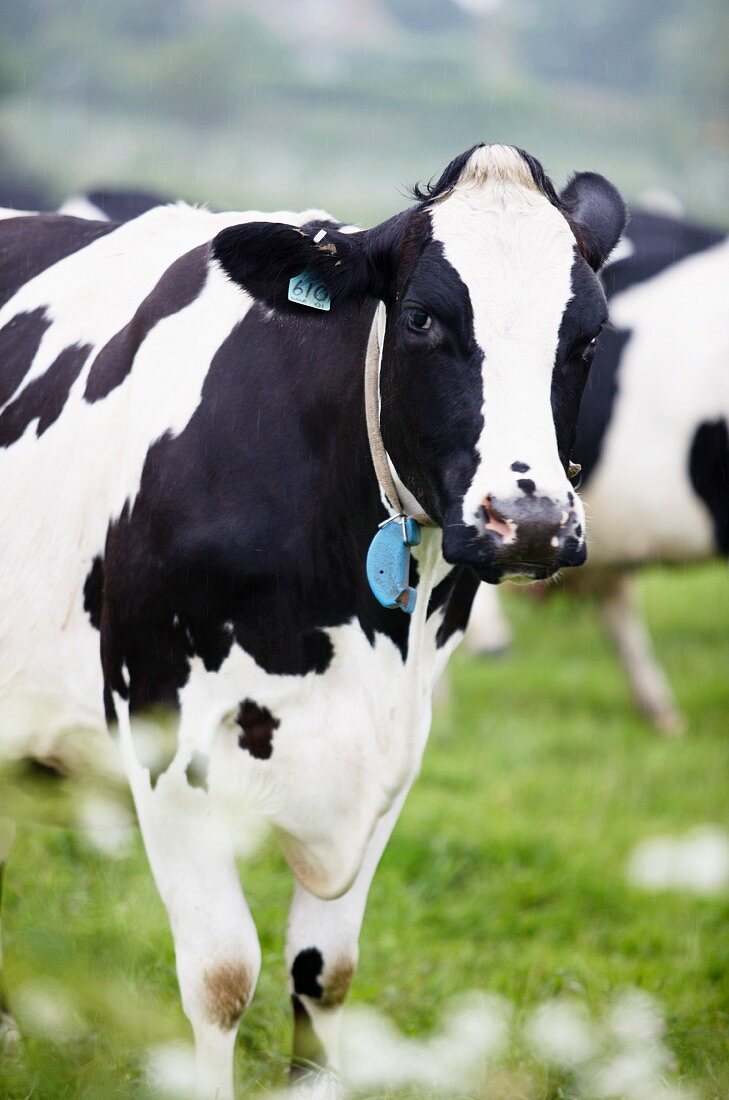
(287, 266)
(597, 214)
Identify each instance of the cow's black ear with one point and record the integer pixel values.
(597, 214)
(263, 257)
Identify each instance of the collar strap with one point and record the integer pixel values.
(380, 460)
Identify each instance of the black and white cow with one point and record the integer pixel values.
(188, 496)
(652, 435)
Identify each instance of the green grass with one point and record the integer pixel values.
(505, 873)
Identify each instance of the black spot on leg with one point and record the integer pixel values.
(520, 467)
(258, 725)
(526, 485)
(306, 971)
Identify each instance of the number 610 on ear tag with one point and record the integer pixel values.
(307, 290)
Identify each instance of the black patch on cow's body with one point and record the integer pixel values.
(19, 342)
(180, 285)
(526, 485)
(520, 467)
(124, 206)
(257, 725)
(455, 594)
(306, 971)
(659, 242)
(43, 398)
(709, 472)
(94, 591)
(29, 245)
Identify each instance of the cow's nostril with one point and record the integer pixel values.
(497, 522)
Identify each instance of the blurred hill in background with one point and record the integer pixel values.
(289, 103)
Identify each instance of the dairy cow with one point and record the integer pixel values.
(652, 436)
(193, 465)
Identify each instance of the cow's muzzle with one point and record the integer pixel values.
(530, 537)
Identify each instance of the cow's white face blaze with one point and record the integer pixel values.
(514, 252)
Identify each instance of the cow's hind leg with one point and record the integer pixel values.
(216, 946)
(648, 682)
(8, 1029)
(322, 951)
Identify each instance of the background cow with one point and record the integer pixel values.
(652, 437)
(187, 477)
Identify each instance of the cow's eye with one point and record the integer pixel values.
(418, 320)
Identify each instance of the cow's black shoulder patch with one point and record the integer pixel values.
(43, 398)
(30, 244)
(709, 472)
(180, 285)
(257, 725)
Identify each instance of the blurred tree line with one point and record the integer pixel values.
(648, 78)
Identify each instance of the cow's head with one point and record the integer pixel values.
(492, 308)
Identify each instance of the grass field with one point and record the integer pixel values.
(505, 874)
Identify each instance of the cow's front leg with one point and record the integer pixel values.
(322, 951)
(216, 946)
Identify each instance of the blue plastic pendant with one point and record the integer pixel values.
(388, 563)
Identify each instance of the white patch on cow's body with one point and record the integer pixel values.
(673, 375)
(514, 252)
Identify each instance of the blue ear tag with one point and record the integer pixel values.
(307, 290)
(388, 563)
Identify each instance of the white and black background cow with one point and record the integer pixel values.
(652, 438)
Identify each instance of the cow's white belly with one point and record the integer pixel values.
(674, 375)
